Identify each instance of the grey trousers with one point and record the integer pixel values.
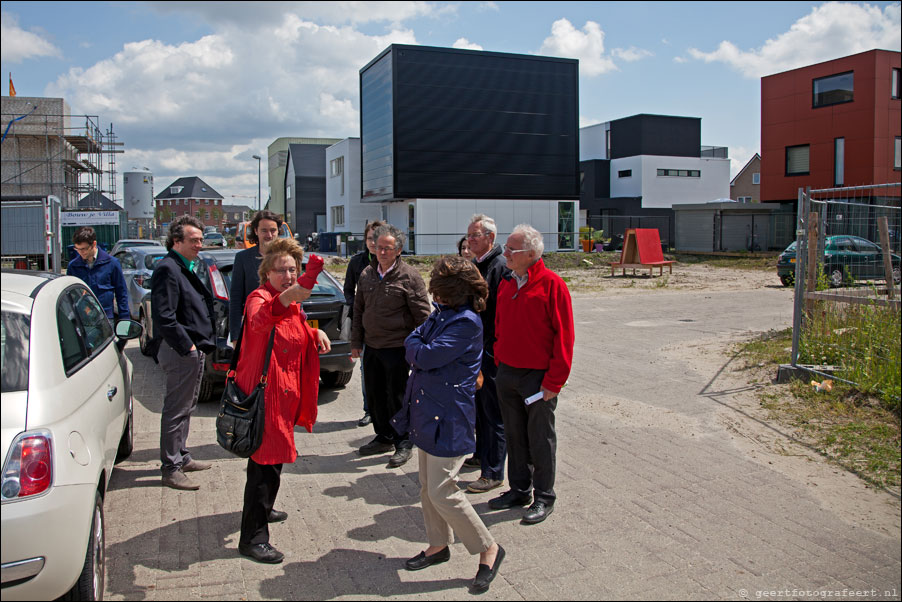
(183, 376)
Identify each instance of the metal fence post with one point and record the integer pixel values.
(800, 272)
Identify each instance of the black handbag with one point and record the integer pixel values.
(239, 425)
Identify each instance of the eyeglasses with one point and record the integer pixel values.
(507, 249)
(476, 235)
(291, 271)
(385, 249)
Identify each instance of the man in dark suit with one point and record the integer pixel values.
(183, 332)
(262, 231)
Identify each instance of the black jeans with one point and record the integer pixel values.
(530, 434)
(385, 374)
(260, 492)
(491, 448)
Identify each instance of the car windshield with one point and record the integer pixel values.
(151, 261)
(15, 331)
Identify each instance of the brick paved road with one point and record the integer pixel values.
(655, 502)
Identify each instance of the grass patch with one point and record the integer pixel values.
(739, 262)
(851, 428)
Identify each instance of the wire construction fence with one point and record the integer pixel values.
(846, 318)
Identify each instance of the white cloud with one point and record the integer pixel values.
(203, 107)
(586, 45)
(631, 54)
(830, 31)
(739, 156)
(18, 45)
(466, 44)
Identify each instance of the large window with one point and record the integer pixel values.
(833, 90)
(896, 83)
(797, 160)
(338, 216)
(897, 154)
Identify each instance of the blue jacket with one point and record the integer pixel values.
(105, 279)
(439, 411)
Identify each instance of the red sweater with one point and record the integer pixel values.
(534, 326)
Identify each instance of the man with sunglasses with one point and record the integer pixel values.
(534, 352)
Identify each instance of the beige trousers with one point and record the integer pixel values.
(446, 509)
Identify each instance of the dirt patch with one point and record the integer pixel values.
(685, 277)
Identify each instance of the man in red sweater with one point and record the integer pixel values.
(534, 351)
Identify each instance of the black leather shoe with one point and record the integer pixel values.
(367, 419)
(509, 500)
(421, 561)
(261, 552)
(486, 574)
(400, 457)
(276, 516)
(375, 447)
(537, 513)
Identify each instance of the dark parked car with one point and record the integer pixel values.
(325, 310)
(845, 258)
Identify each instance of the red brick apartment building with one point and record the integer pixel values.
(832, 124)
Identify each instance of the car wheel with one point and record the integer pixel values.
(336, 379)
(144, 339)
(836, 278)
(90, 582)
(206, 390)
(127, 443)
(787, 280)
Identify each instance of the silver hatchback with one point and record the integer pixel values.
(66, 418)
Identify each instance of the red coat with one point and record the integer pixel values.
(293, 379)
(534, 326)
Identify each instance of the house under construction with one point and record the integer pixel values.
(49, 151)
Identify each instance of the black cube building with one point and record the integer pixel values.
(463, 124)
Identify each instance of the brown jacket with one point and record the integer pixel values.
(387, 310)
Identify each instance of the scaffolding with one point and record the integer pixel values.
(49, 151)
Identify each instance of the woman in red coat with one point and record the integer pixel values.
(292, 383)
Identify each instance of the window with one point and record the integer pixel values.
(797, 160)
(744, 199)
(680, 173)
(176, 189)
(338, 216)
(839, 161)
(896, 83)
(897, 154)
(625, 173)
(756, 178)
(83, 327)
(833, 90)
(336, 167)
(607, 144)
(15, 333)
(288, 191)
(206, 201)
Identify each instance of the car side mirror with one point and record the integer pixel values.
(128, 329)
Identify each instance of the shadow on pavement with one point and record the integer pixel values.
(343, 572)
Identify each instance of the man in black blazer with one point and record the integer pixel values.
(262, 231)
(183, 332)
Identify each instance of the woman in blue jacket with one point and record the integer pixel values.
(439, 412)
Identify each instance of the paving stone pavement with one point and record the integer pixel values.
(655, 502)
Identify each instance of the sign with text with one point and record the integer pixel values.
(89, 218)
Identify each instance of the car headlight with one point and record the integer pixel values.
(29, 466)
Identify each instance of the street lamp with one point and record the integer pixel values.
(258, 158)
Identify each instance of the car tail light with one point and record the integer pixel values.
(139, 280)
(219, 288)
(29, 466)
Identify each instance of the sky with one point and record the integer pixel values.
(198, 88)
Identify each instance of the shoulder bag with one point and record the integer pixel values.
(239, 425)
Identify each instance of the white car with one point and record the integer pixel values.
(66, 418)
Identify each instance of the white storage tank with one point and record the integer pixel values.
(138, 200)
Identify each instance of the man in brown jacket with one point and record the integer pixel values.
(391, 301)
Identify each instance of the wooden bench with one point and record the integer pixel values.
(642, 249)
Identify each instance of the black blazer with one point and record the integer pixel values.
(182, 308)
(244, 281)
